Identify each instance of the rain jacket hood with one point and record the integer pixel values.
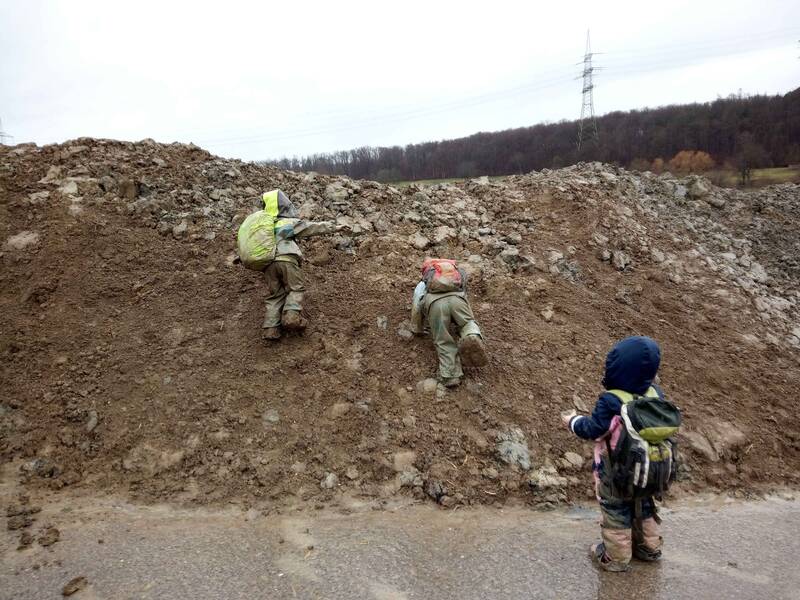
(632, 365)
(285, 208)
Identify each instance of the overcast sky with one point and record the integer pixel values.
(258, 80)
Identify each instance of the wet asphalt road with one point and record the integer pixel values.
(714, 549)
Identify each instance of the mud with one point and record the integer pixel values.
(715, 548)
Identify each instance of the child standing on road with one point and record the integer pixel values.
(634, 463)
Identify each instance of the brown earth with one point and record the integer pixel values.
(132, 359)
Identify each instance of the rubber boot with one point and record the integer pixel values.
(647, 541)
(472, 351)
(271, 333)
(614, 553)
(292, 320)
(451, 382)
(601, 558)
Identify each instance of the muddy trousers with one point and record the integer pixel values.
(443, 312)
(285, 288)
(621, 531)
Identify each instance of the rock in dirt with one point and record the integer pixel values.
(92, 422)
(271, 416)
(329, 482)
(512, 448)
(435, 489)
(74, 585)
(545, 478)
(427, 387)
(22, 240)
(419, 241)
(572, 460)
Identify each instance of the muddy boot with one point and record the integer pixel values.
(292, 320)
(472, 351)
(603, 560)
(645, 554)
(451, 382)
(271, 334)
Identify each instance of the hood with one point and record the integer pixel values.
(278, 203)
(632, 365)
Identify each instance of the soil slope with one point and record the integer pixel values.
(132, 359)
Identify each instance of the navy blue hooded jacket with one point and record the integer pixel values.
(631, 366)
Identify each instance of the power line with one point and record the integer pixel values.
(400, 116)
(3, 135)
(587, 106)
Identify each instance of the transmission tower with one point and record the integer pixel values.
(3, 135)
(587, 128)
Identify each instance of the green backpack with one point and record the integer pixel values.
(256, 240)
(642, 450)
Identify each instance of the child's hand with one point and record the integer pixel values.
(566, 416)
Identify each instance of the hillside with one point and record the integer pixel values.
(132, 360)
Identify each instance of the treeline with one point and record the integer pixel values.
(760, 130)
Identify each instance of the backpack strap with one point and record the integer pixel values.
(626, 397)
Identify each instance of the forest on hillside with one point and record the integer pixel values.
(740, 132)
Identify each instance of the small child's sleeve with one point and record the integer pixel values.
(596, 425)
(303, 228)
(417, 320)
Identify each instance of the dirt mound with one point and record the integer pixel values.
(132, 359)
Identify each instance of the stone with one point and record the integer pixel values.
(382, 322)
(442, 234)
(53, 174)
(512, 448)
(70, 188)
(716, 201)
(180, 230)
(620, 260)
(657, 256)
(351, 473)
(574, 459)
(546, 478)
(270, 416)
(92, 422)
(579, 404)
(336, 192)
(410, 478)
(38, 197)
(419, 241)
(699, 189)
(74, 585)
(404, 330)
(329, 482)
(435, 489)
(547, 313)
(427, 387)
(698, 442)
(510, 255)
(22, 240)
(758, 272)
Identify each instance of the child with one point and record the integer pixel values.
(440, 299)
(629, 526)
(284, 274)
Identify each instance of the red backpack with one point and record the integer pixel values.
(442, 275)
